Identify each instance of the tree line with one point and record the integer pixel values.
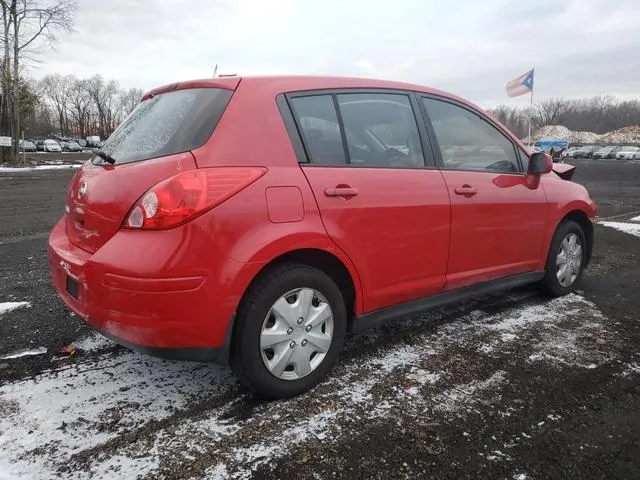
(600, 114)
(57, 104)
(77, 107)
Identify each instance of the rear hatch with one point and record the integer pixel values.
(154, 142)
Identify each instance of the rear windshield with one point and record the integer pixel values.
(167, 124)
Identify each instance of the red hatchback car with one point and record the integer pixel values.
(254, 221)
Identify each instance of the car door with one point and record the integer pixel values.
(498, 212)
(381, 201)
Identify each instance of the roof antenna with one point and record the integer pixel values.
(215, 71)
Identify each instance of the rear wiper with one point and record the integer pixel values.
(104, 156)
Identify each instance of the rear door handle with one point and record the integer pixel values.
(466, 190)
(344, 192)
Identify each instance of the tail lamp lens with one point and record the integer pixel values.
(180, 198)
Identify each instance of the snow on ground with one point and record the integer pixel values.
(92, 342)
(8, 306)
(24, 353)
(126, 414)
(79, 406)
(636, 219)
(40, 167)
(631, 228)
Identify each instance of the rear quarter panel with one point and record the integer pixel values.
(249, 227)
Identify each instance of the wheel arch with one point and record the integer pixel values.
(328, 262)
(582, 219)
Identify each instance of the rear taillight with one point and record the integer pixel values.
(184, 196)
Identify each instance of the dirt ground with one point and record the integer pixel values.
(513, 386)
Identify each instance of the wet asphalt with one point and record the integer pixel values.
(465, 392)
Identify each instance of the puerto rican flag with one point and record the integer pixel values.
(521, 85)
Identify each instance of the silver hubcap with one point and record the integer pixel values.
(569, 260)
(296, 334)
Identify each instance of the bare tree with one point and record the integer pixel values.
(30, 24)
(552, 111)
(130, 99)
(80, 107)
(599, 114)
(111, 98)
(57, 89)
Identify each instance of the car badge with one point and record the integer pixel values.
(82, 190)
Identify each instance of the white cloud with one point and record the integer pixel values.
(579, 47)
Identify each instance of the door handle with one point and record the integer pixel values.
(345, 192)
(466, 190)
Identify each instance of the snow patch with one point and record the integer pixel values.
(40, 167)
(24, 353)
(8, 306)
(486, 349)
(630, 228)
(636, 219)
(83, 405)
(423, 377)
(630, 369)
(135, 467)
(452, 399)
(92, 343)
(625, 135)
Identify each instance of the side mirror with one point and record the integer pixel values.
(540, 163)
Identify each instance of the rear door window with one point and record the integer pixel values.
(319, 128)
(365, 129)
(166, 124)
(387, 126)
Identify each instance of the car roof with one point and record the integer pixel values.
(277, 84)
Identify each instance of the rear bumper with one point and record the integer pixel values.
(163, 299)
(219, 355)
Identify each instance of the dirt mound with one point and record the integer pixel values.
(563, 133)
(621, 136)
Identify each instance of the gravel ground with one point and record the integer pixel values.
(512, 386)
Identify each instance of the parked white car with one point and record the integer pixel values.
(52, 146)
(628, 153)
(568, 152)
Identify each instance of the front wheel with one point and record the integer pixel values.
(566, 259)
(289, 332)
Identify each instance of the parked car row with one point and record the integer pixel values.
(626, 152)
(49, 145)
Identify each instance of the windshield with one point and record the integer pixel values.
(167, 124)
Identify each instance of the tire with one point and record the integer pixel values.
(250, 358)
(551, 283)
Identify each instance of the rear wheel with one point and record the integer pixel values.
(566, 259)
(289, 331)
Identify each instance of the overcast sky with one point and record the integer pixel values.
(469, 47)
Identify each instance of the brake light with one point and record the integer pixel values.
(184, 196)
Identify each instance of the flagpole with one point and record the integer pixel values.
(530, 117)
